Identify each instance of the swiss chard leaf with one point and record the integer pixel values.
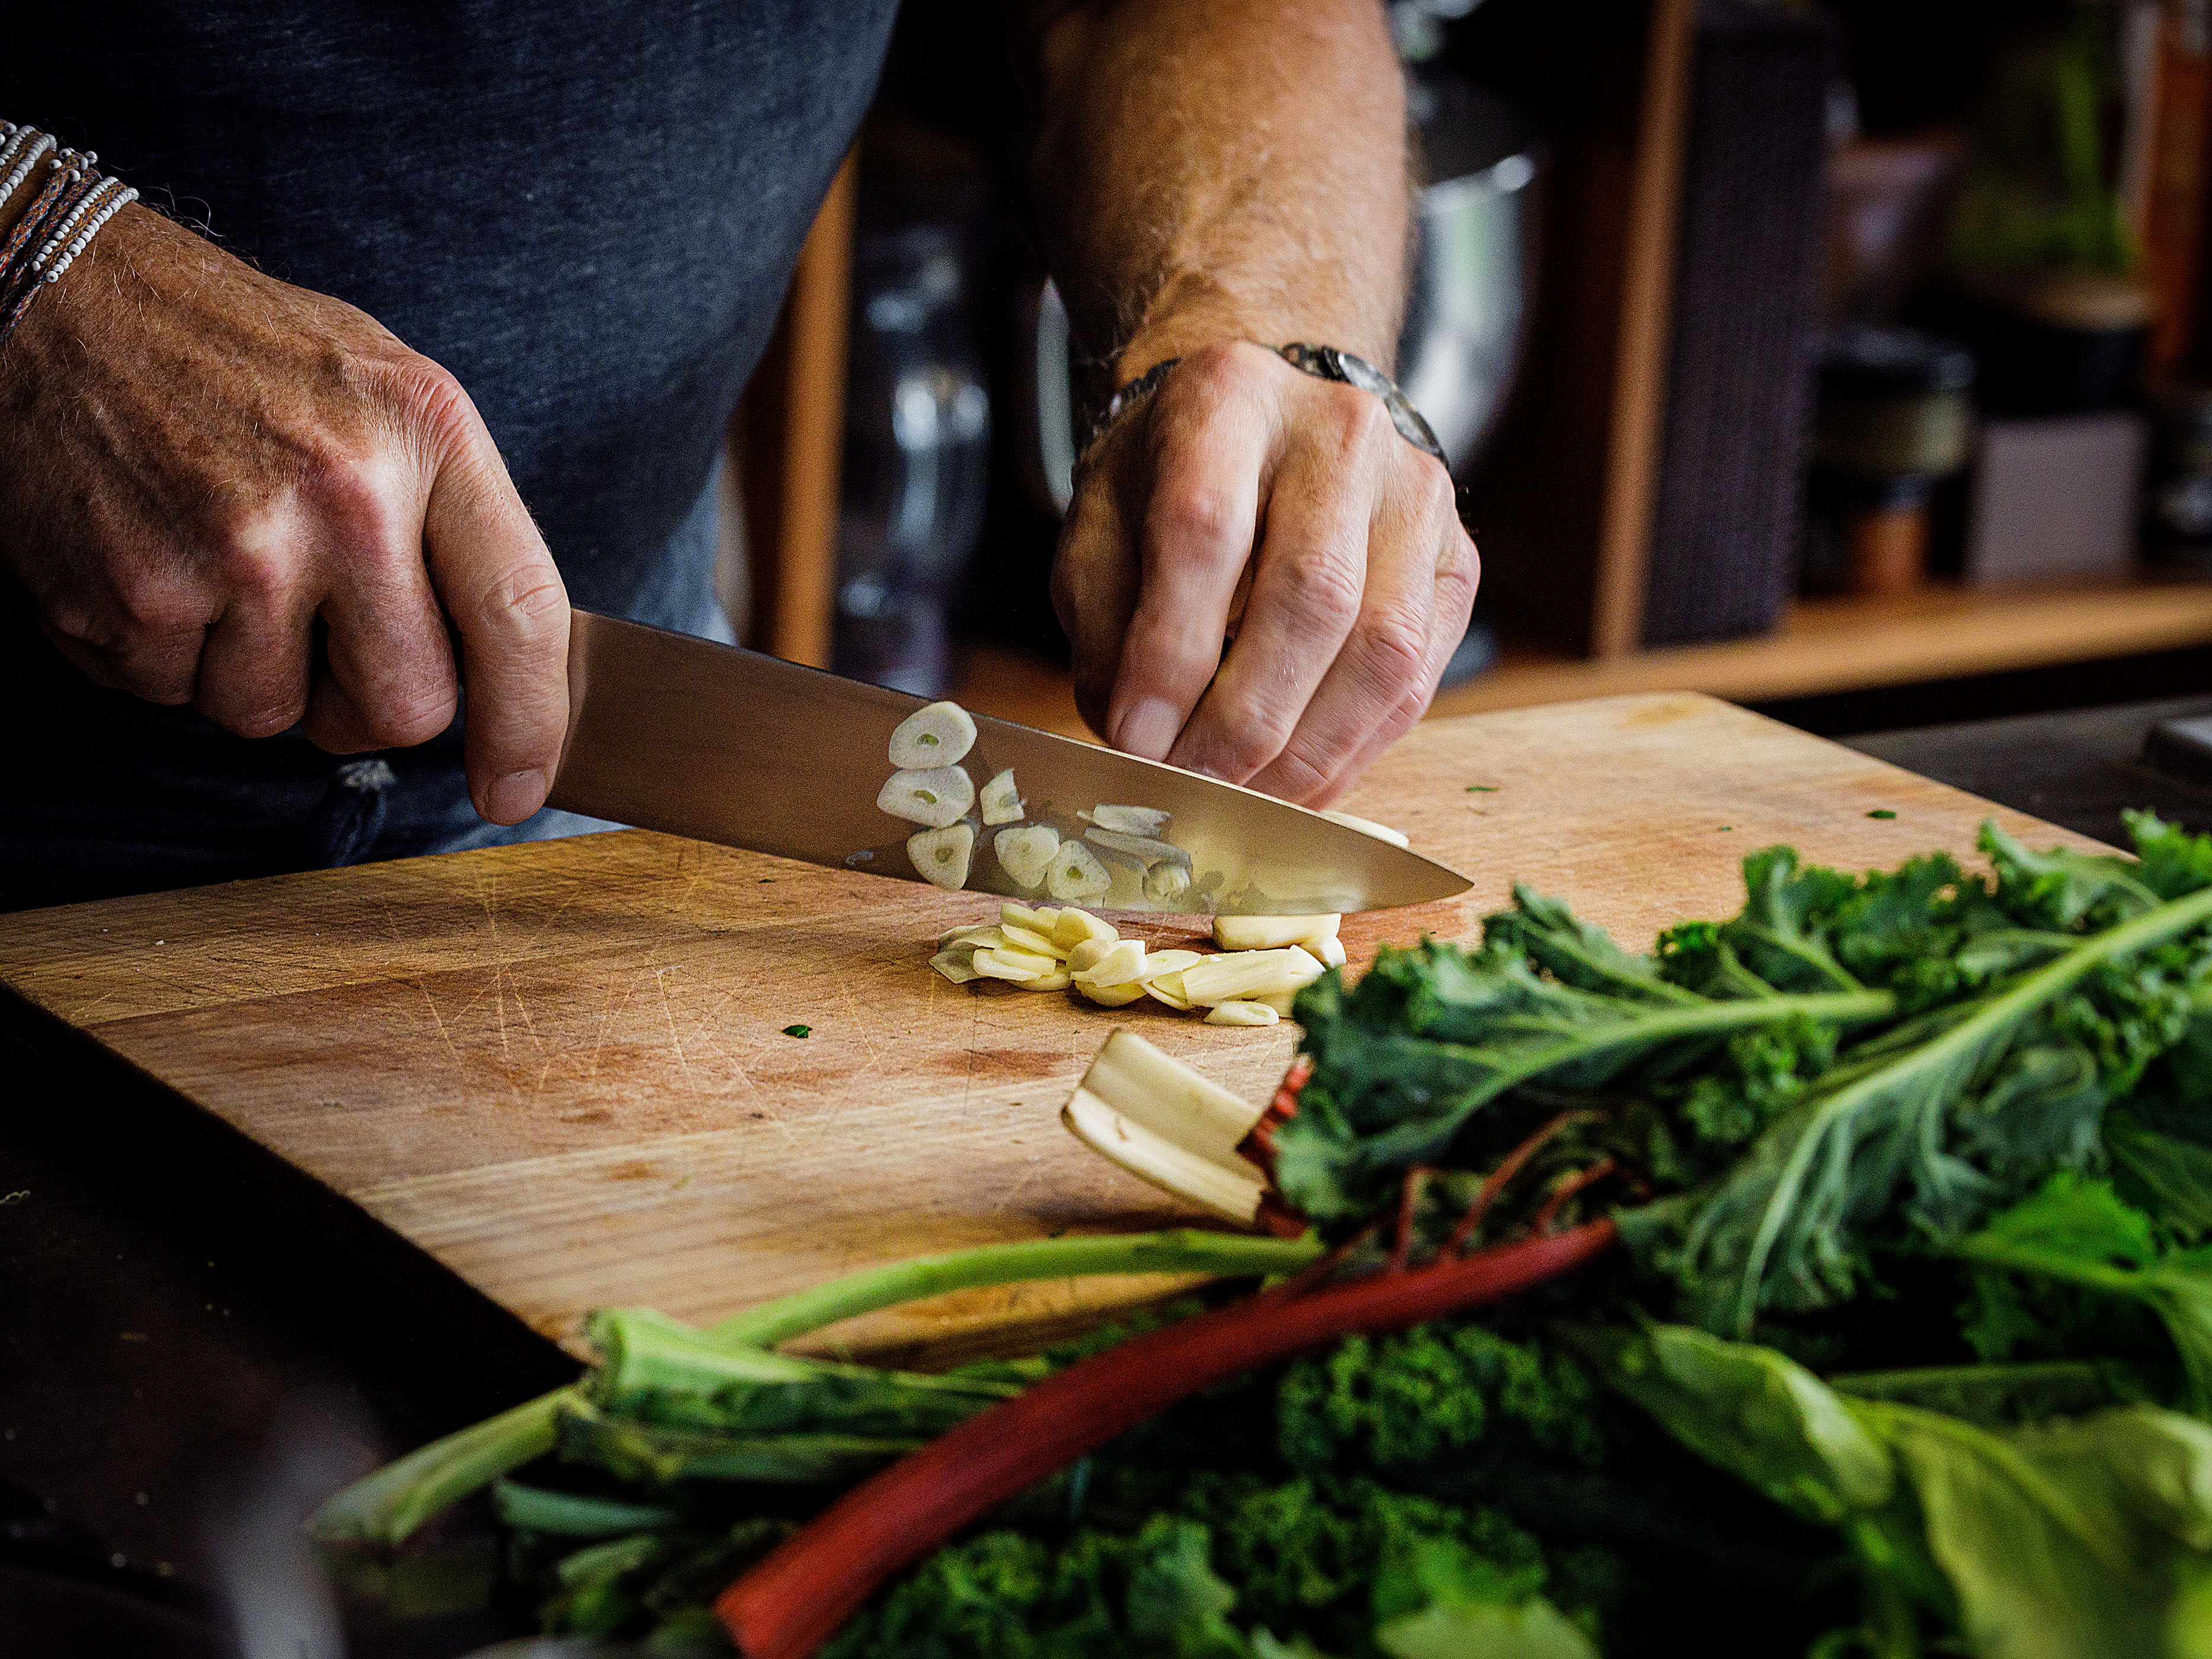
(2170, 1177)
(2081, 1539)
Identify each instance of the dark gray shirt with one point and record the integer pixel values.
(588, 212)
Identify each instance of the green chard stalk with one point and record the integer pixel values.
(385, 1508)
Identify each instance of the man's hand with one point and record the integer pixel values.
(1246, 502)
(198, 463)
(1262, 580)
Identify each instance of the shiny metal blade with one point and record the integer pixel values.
(670, 733)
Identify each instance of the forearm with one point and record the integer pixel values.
(1234, 170)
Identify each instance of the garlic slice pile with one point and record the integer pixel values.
(1045, 949)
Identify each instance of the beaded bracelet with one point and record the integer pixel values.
(70, 208)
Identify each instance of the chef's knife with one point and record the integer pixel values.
(666, 731)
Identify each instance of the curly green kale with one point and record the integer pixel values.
(1432, 1397)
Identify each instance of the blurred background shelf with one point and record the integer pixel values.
(1931, 638)
(1667, 253)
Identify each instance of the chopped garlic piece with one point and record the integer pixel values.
(1165, 1124)
(1017, 965)
(1282, 1002)
(1076, 925)
(1002, 804)
(1365, 826)
(959, 966)
(1168, 987)
(1110, 996)
(1241, 1013)
(1268, 932)
(1329, 950)
(943, 855)
(939, 797)
(1249, 976)
(1075, 875)
(1023, 938)
(1142, 848)
(937, 734)
(1026, 855)
(1166, 882)
(1083, 957)
(1129, 820)
(1120, 963)
(1039, 920)
(975, 938)
(1172, 962)
(1058, 980)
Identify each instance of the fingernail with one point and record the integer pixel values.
(514, 798)
(1149, 729)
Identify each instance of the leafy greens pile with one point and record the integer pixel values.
(1908, 1351)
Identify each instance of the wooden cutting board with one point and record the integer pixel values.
(560, 1069)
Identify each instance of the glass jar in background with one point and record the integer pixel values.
(917, 465)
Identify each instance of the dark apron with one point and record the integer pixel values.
(588, 212)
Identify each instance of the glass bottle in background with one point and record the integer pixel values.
(917, 449)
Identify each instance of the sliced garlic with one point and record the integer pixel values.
(1026, 855)
(1249, 976)
(937, 734)
(1076, 925)
(1038, 920)
(1056, 981)
(1022, 938)
(1129, 820)
(1172, 962)
(1083, 957)
(1268, 932)
(1365, 826)
(1168, 987)
(939, 797)
(1241, 1013)
(1075, 875)
(974, 938)
(1285, 1003)
(959, 966)
(1329, 951)
(1110, 996)
(1118, 964)
(943, 855)
(1019, 966)
(1164, 883)
(1002, 804)
(1142, 848)
(1165, 1124)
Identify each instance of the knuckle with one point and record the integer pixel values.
(409, 715)
(1196, 517)
(526, 600)
(1322, 591)
(1252, 733)
(1395, 647)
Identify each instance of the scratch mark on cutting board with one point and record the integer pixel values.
(431, 1003)
(668, 1012)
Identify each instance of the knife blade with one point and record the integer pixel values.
(671, 732)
